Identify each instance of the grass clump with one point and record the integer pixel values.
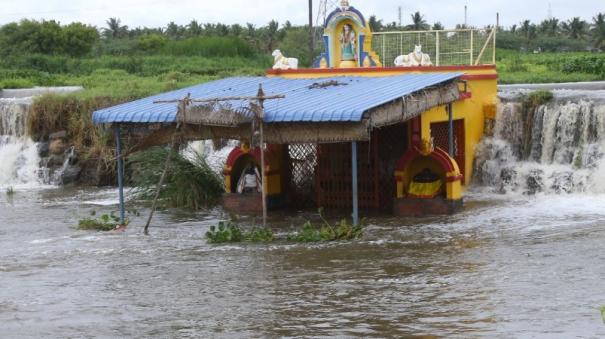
(230, 232)
(602, 309)
(190, 183)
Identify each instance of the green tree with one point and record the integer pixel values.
(437, 26)
(79, 39)
(598, 31)
(151, 42)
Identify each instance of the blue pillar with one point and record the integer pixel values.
(120, 172)
(450, 130)
(354, 177)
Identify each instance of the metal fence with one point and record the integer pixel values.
(445, 47)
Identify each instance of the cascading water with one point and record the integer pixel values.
(19, 159)
(555, 148)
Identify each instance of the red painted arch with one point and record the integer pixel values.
(439, 155)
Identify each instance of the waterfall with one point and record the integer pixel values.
(555, 148)
(19, 159)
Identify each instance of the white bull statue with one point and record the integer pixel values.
(416, 58)
(281, 62)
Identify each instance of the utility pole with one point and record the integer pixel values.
(399, 16)
(465, 17)
(311, 35)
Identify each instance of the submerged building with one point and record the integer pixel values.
(383, 122)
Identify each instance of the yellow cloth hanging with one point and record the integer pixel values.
(424, 190)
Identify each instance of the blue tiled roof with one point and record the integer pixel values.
(303, 102)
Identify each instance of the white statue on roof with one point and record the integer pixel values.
(414, 59)
(281, 62)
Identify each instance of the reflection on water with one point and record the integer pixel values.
(506, 266)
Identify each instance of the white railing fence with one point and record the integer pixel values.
(445, 47)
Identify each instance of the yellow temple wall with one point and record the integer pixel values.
(481, 82)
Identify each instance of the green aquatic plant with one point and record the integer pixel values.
(602, 309)
(327, 232)
(259, 234)
(229, 232)
(224, 233)
(105, 222)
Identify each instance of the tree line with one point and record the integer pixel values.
(195, 38)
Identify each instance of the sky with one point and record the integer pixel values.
(155, 13)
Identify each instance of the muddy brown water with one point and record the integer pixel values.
(507, 266)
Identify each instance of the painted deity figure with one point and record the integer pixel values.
(347, 43)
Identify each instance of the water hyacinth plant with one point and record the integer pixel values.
(105, 222)
(230, 232)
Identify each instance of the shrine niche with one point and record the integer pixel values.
(347, 40)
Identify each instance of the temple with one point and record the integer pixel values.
(382, 122)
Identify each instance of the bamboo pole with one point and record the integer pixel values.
(261, 117)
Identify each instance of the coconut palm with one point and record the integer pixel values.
(549, 27)
(194, 28)
(375, 24)
(575, 28)
(527, 29)
(598, 31)
(418, 22)
(115, 29)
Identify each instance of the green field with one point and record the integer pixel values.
(516, 67)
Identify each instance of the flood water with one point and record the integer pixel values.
(508, 266)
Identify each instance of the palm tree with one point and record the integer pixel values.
(418, 22)
(575, 28)
(527, 29)
(549, 27)
(273, 35)
(375, 24)
(598, 31)
(115, 29)
(173, 30)
(194, 28)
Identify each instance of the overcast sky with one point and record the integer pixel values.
(156, 13)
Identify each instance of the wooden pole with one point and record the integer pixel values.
(354, 183)
(261, 117)
(450, 130)
(120, 173)
(184, 102)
